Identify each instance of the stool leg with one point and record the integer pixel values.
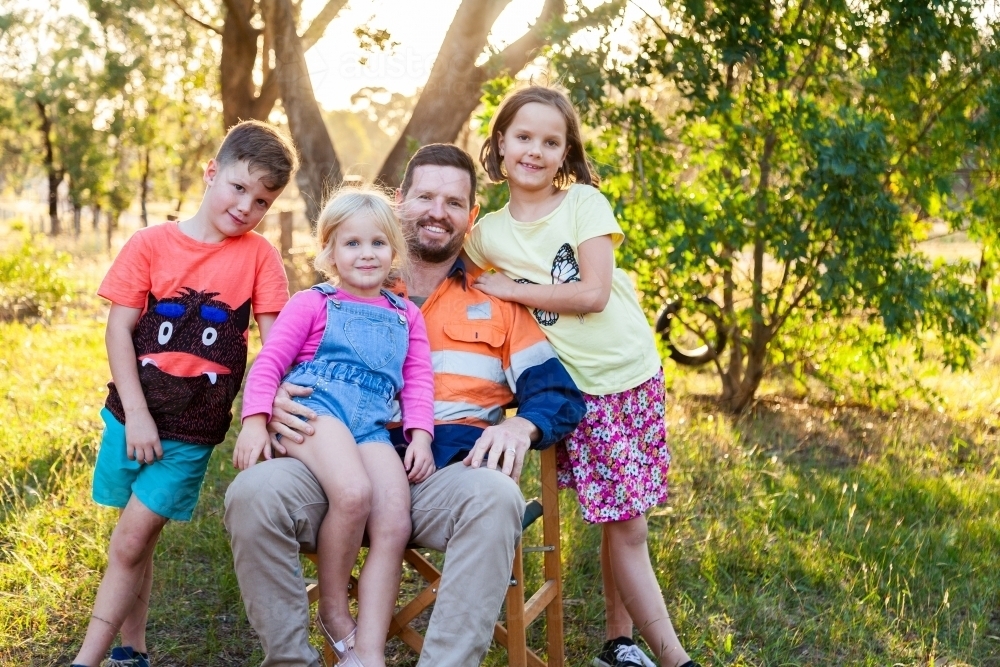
(517, 648)
(553, 559)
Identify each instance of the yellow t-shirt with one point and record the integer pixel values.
(606, 352)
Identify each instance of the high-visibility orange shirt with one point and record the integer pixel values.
(487, 354)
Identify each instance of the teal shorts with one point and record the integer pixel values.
(170, 487)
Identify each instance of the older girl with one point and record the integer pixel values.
(552, 246)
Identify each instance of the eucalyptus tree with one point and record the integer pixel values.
(50, 66)
(263, 60)
(788, 157)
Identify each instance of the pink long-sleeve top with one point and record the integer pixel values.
(296, 335)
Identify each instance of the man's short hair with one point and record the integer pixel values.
(441, 155)
(261, 146)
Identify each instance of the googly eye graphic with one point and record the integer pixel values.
(166, 331)
(209, 336)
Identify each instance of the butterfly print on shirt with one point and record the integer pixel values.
(564, 270)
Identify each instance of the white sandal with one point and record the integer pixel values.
(343, 649)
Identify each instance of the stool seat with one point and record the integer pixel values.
(521, 613)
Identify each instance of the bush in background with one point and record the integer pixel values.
(33, 279)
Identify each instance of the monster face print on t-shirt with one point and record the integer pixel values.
(191, 350)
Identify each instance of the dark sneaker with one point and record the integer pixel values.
(621, 652)
(124, 656)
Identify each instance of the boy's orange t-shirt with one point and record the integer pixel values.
(191, 338)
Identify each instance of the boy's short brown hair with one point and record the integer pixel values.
(261, 146)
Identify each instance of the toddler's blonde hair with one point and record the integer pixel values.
(346, 203)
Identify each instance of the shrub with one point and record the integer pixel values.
(33, 280)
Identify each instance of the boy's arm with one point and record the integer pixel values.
(589, 294)
(264, 322)
(141, 436)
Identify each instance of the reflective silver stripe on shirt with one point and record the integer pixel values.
(446, 411)
(451, 411)
(533, 355)
(469, 364)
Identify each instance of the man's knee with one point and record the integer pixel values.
(494, 502)
(267, 495)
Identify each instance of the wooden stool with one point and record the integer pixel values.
(520, 613)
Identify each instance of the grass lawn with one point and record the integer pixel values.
(800, 534)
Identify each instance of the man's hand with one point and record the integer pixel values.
(419, 462)
(510, 439)
(142, 439)
(288, 418)
(252, 441)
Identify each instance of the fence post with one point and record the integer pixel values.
(285, 220)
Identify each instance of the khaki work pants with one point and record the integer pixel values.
(274, 510)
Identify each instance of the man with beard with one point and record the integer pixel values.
(487, 353)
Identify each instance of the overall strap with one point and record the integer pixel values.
(329, 290)
(398, 302)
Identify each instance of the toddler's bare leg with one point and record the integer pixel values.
(388, 534)
(332, 456)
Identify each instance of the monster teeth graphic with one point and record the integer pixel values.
(182, 364)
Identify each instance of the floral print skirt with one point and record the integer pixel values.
(617, 458)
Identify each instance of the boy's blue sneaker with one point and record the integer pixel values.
(124, 656)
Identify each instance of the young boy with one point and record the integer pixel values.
(181, 296)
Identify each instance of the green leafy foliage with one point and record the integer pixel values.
(788, 159)
(34, 280)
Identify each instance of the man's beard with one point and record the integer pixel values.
(432, 254)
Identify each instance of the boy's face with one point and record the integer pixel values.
(237, 199)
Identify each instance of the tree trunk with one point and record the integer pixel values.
(96, 220)
(743, 383)
(55, 176)
(185, 179)
(77, 214)
(746, 387)
(236, 66)
(454, 87)
(320, 171)
(983, 272)
(111, 221)
(144, 190)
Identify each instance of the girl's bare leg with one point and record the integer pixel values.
(638, 589)
(617, 621)
(388, 534)
(332, 456)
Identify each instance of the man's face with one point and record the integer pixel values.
(436, 212)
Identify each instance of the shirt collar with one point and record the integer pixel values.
(457, 267)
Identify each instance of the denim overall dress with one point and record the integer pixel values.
(358, 367)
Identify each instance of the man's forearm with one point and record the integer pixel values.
(549, 399)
